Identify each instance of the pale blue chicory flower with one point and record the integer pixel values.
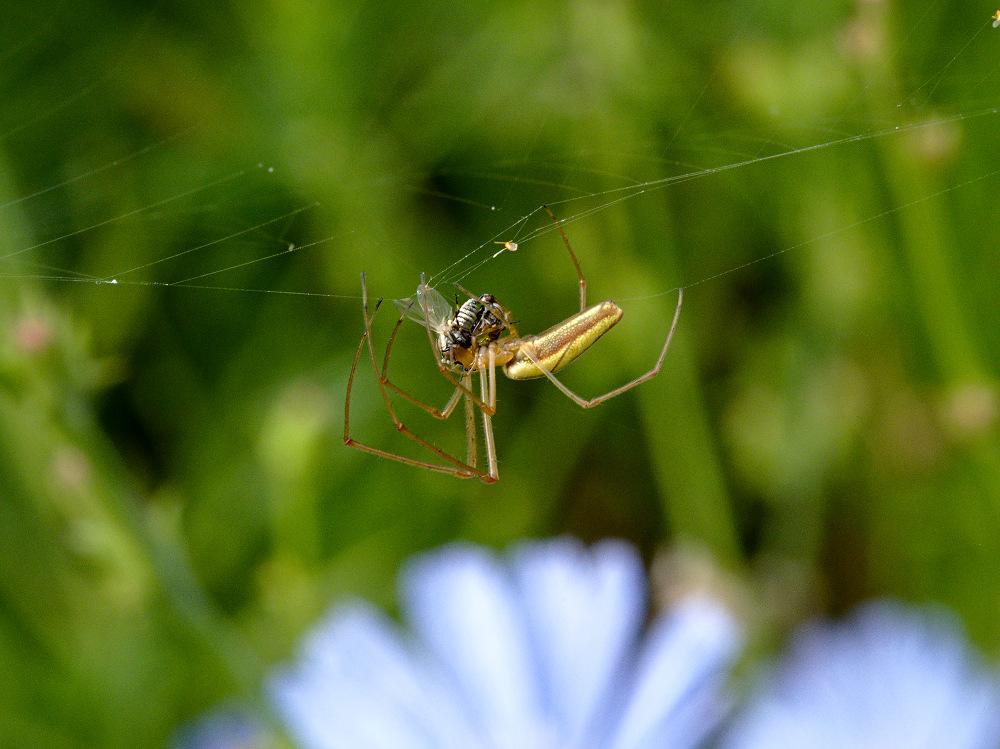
(890, 677)
(545, 649)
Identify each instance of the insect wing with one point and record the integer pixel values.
(439, 310)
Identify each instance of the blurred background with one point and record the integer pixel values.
(176, 502)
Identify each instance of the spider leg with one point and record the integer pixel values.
(353, 443)
(458, 469)
(488, 392)
(470, 426)
(464, 290)
(438, 413)
(528, 349)
(572, 256)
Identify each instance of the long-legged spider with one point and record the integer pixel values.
(479, 336)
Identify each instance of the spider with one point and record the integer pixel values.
(480, 336)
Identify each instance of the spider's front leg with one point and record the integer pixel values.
(457, 469)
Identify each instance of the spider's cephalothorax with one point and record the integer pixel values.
(477, 321)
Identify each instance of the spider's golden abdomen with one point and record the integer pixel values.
(564, 342)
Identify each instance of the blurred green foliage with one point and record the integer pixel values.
(176, 504)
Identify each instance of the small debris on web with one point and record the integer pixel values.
(508, 246)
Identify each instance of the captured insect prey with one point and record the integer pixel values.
(478, 336)
(996, 19)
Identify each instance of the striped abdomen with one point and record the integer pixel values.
(562, 343)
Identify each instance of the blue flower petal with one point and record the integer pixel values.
(461, 603)
(584, 609)
(889, 676)
(355, 686)
(677, 699)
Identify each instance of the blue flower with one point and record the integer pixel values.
(891, 676)
(544, 649)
